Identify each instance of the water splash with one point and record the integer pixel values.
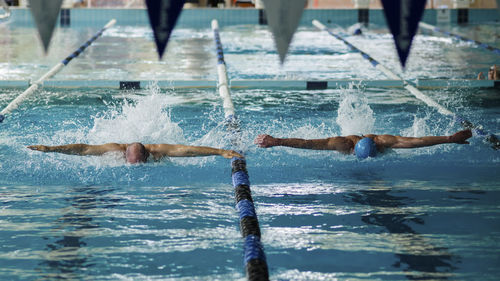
(308, 130)
(419, 127)
(145, 119)
(354, 114)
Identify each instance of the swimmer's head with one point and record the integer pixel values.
(357, 31)
(136, 153)
(365, 147)
(491, 72)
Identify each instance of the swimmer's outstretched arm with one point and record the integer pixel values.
(390, 141)
(342, 144)
(80, 148)
(178, 150)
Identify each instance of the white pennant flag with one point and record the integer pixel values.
(45, 14)
(283, 17)
(6, 11)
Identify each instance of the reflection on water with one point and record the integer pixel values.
(64, 257)
(121, 53)
(418, 257)
(128, 53)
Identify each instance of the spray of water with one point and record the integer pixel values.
(354, 115)
(419, 127)
(426, 126)
(146, 119)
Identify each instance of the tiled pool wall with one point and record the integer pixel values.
(200, 18)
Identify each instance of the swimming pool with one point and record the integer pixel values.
(127, 52)
(430, 213)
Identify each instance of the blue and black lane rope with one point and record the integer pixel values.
(459, 37)
(254, 257)
(78, 51)
(218, 46)
(15, 103)
(366, 56)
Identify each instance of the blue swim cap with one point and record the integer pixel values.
(365, 148)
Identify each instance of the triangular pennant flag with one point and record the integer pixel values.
(163, 15)
(45, 13)
(402, 17)
(283, 17)
(4, 11)
(4, 6)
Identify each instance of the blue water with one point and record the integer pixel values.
(427, 214)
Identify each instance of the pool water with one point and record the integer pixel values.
(428, 214)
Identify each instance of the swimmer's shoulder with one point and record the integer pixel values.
(114, 146)
(158, 152)
(355, 138)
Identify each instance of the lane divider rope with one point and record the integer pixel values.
(19, 99)
(254, 257)
(460, 37)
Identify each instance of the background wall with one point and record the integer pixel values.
(376, 4)
(312, 4)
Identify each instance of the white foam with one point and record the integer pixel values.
(146, 119)
(354, 116)
(419, 128)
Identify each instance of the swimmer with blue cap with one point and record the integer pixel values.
(363, 146)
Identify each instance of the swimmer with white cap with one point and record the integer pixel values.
(363, 146)
(137, 152)
(493, 73)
